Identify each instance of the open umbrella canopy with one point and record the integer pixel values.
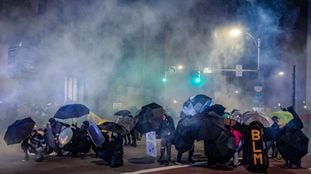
(196, 104)
(221, 149)
(293, 145)
(127, 122)
(211, 125)
(149, 118)
(123, 113)
(284, 116)
(251, 116)
(18, 131)
(112, 127)
(71, 111)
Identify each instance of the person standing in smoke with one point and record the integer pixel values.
(166, 132)
(273, 131)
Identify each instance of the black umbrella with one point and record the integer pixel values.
(293, 145)
(123, 113)
(18, 131)
(149, 118)
(221, 149)
(219, 144)
(113, 127)
(186, 132)
(151, 106)
(71, 111)
(127, 122)
(211, 125)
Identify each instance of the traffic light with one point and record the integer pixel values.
(197, 79)
(164, 78)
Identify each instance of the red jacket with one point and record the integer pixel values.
(237, 136)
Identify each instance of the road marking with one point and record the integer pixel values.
(157, 169)
(163, 168)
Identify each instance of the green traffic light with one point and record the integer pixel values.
(198, 80)
(163, 79)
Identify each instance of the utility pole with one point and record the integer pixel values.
(294, 86)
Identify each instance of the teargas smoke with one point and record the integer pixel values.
(116, 52)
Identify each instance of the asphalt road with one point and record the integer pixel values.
(11, 163)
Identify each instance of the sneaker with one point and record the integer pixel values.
(160, 160)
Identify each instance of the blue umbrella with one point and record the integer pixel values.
(71, 111)
(18, 131)
(196, 104)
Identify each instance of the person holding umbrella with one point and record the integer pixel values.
(166, 132)
(289, 134)
(26, 145)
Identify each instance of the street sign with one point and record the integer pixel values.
(258, 88)
(238, 71)
(116, 106)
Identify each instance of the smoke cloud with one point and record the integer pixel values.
(119, 50)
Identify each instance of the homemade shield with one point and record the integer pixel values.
(251, 116)
(65, 136)
(96, 135)
(284, 116)
(18, 131)
(71, 111)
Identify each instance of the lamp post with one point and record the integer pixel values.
(235, 32)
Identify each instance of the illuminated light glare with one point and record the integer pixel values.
(279, 104)
(235, 32)
(237, 91)
(174, 101)
(164, 79)
(180, 67)
(198, 80)
(305, 106)
(207, 71)
(281, 73)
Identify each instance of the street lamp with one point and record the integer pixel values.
(236, 32)
(180, 67)
(281, 73)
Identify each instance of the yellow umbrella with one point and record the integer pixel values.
(284, 116)
(92, 117)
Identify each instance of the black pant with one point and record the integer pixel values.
(179, 155)
(166, 143)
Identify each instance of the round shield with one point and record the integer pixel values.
(65, 136)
